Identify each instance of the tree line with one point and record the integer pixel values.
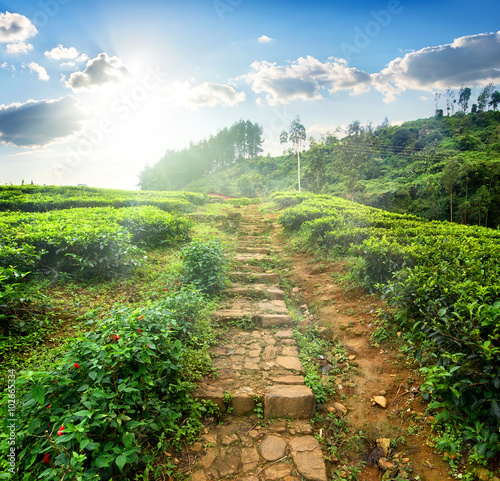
(243, 140)
(488, 98)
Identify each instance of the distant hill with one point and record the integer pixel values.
(442, 167)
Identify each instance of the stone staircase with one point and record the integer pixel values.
(258, 371)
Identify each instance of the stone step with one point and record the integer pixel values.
(270, 320)
(256, 291)
(254, 243)
(249, 268)
(253, 276)
(289, 401)
(254, 250)
(248, 257)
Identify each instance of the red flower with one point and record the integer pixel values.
(77, 365)
(49, 406)
(141, 317)
(46, 458)
(61, 431)
(165, 289)
(169, 326)
(147, 345)
(139, 331)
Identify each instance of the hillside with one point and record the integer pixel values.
(442, 167)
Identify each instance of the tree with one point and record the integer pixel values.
(296, 134)
(464, 97)
(495, 99)
(449, 178)
(484, 96)
(317, 157)
(450, 101)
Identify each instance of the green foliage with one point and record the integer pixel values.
(152, 227)
(37, 198)
(205, 265)
(444, 280)
(176, 169)
(87, 242)
(120, 387)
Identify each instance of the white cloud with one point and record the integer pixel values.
(206, 94)
(39, 123)
(305, 79)
(17, 48)
(99, 71)
(265, 39)
(15, 28)
(42, 73)
(62, 53)
(471, 60)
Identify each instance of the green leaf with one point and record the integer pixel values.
(121, 461)
(83, 443)
(37, 394)
(102, 462)
(128, 440)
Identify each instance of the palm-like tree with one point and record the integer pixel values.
(296, 134)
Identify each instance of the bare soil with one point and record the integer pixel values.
(351, 315)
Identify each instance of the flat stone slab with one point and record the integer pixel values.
(287, 334)
(290, 351)
(278, 320)
(273, 448)
(308, 458)
(291, 363)
(293, 380)
(296, 402)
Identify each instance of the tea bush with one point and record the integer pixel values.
(88, 242)
(37, 198)
(151, 227)
(205, 265)
(444, 279)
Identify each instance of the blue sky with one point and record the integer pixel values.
(92, 91)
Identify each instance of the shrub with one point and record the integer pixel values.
(152, 227)
(118, 389)
(204, 265)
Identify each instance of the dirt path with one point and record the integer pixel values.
(349, 314)
(266, 432)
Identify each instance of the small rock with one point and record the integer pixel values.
(383, 393)
(273, 448)
(295, 290)
(405, 460)
(196, 447)
(383, 444)
(277, 472)
(249, 459)
(208, 460)
(381, 401)
(199, 476)
(386, 465)
(341, 410)
(229, 439)
(315, 271)
(351, 357)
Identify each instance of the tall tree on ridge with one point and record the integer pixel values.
(463, 97)
(296, 134)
